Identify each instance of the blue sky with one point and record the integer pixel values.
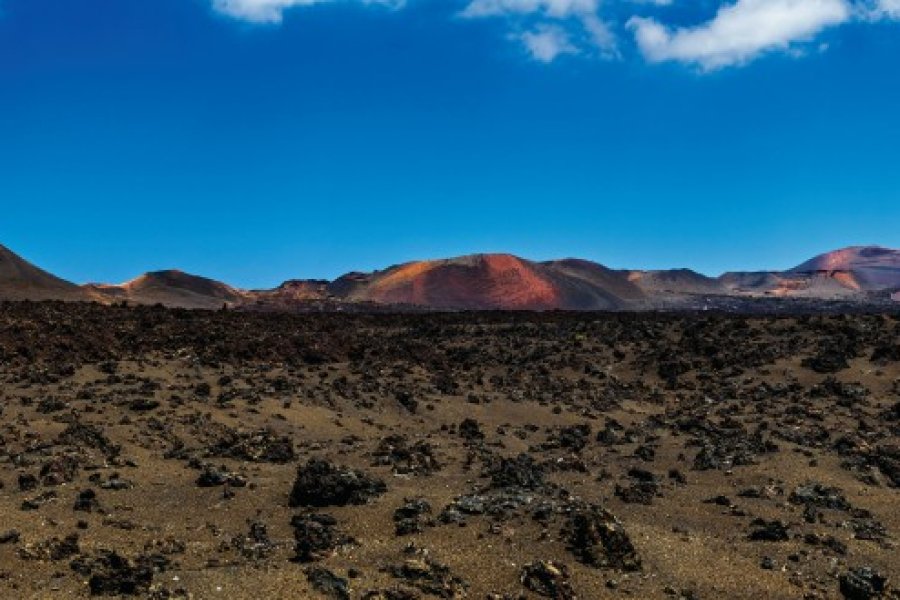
(259, 140)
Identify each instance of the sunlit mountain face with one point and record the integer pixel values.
(859, 267)
(480, 281)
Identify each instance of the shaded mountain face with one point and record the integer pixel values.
(675, 281)
(170, 288)
(20, 280)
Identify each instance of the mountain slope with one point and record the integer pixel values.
(171, 288)
(20, 280)
(858, 267)
(675, 282)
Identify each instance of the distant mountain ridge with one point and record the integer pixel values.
(484, 282)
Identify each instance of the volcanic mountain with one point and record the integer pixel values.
(846, 273)
(20, 280)
(493, 281)
(861, 267)
(170, 288)
(675, 281)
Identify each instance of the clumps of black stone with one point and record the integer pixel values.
(724, 445)
(254, 446)
(27, 482)
(826, 542)
(427, 575)
(863, 583)
(111, 574)
(391, 594)
(81, 435)
(768, 531)
(885, 353)
(611, 434)
(59, 470)
(470, 430)
(573, 438)
(887, 459)
(847, 393)
(10, 536)
(405, 458)
(519, 472)
(865, 527)
(212, 476)
(39, 500)
(548, 579)
(86, 501)
(255, 544)
(412, 516)
(820, 496)
(499, 505)
(866, 459)
(52, 549)
(328, 584)
(320, 483)
(317, 536)
(407, 401)
(642, 486)
(830, 359)
(597, 539)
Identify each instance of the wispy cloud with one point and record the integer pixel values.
(258, 11)
(551, 27)
(739, 32)
(884, 9)
(546, 42)
(272, 11)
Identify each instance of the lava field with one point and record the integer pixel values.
(167, 453)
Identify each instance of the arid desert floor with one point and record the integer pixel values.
(193, 454)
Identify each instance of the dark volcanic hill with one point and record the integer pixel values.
(675, 281)
(20, 280)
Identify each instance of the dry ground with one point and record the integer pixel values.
(563, 456)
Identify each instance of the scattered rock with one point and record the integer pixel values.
(404, 458)
(325, 582)
(320, 483)
(597, 538)
(316, 536)
(862, 583)
(111, 574)
(768, 531)
(548, 579)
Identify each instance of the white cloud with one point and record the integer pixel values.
(546, 42)
(884, 9)
(553, 8)
(258, 11)
(551, 27)
(272, 11)
(740, 32)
